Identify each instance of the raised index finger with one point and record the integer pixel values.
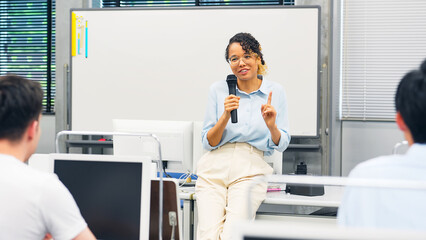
(270, 98)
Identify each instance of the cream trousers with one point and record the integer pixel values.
(224, 177)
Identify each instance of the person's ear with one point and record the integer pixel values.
(258, 60)
(32, 129)
(400, 122)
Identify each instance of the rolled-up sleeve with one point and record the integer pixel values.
(210, 118)
(282, 123)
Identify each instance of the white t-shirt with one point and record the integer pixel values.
(387, 207)
(33, 203)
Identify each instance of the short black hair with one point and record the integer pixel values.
(410, 102)
(248, 43)
(20, 104)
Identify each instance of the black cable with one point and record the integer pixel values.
(164, 169)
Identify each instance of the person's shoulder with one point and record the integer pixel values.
(19, 170)
(278, 92)
(269, 82)
(218, 87)
(219, 84)
(27, 179)
(272, 86)
(41, 178)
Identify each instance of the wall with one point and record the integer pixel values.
(335, 124)
(47, 138)
(365, 140)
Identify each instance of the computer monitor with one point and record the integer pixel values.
(113, 193)
(273, 230)
(175, 138)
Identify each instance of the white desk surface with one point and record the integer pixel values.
(187, 193)
(331, 198)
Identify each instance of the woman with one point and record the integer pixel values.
(237, 149)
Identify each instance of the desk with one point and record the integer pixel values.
(331, 198)
(186, 194)
(277, 206)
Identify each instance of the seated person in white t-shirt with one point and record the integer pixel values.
(33, 204)
(376, 207)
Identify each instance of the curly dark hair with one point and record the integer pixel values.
(248, 43)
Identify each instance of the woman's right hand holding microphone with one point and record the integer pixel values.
(232, 102)
(214, 135)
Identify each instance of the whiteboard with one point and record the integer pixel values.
(158, 64)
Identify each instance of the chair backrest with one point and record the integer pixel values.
(171, 208)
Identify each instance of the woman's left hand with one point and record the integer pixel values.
(268, 113)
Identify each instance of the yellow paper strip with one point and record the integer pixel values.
(73, 34)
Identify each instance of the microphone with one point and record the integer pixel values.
(231, 80)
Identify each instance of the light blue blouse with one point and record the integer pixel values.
(251, 128)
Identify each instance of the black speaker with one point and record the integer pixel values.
(304, 189)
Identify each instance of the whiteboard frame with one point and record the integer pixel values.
(190, 8)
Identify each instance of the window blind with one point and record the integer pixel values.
(180, 3)
(381, 41)
(27, 34)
